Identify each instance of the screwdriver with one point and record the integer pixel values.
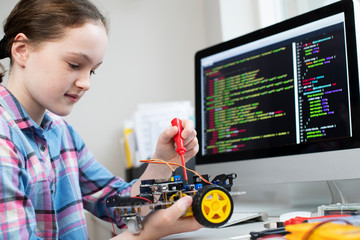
(180, 149)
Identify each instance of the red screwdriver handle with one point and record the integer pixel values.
(178, 139)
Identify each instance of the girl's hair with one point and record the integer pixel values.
(45, 20)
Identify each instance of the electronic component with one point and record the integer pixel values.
(212, 202)
(339, 209)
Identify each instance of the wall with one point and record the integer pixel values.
(241, 17)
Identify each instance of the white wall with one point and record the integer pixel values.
(239, 17)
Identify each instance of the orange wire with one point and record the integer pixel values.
(162, 161)
(176, 164)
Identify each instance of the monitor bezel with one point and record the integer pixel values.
(345, 7)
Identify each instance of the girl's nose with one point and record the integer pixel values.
(83, 82)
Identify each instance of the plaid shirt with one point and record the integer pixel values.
(47, 177)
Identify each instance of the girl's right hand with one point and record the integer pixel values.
(165, 222)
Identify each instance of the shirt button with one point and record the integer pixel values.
(42, 148)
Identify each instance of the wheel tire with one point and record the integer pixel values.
(212, 206)
(134, 227)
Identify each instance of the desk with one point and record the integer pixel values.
(99, 229)
(236, 232)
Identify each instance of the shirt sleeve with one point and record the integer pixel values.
(97, 184)
(17, 214)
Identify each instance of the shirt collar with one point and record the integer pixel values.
(18, 114)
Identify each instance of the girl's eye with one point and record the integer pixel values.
(73, 66)
(92, 72)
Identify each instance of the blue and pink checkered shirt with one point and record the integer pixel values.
(48, 177)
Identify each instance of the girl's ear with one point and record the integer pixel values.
(20, 49)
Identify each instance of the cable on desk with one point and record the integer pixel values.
(308, 234)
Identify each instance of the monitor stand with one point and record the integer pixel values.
(337, 195)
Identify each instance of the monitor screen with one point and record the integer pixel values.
(288, 91)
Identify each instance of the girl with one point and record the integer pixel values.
(47, 175)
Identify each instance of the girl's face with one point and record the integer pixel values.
(57, 74)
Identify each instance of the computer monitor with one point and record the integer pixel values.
(281, 104)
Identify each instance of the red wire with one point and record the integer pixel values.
(112, 224)
(143, 198)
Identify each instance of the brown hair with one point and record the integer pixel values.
(44, 20)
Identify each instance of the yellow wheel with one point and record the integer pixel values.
(212, 206)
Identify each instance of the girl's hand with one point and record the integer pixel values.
(165, 148)
(165, 222)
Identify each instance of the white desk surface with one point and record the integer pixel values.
(236, 232)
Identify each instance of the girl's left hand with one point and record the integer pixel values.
(166, 149)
